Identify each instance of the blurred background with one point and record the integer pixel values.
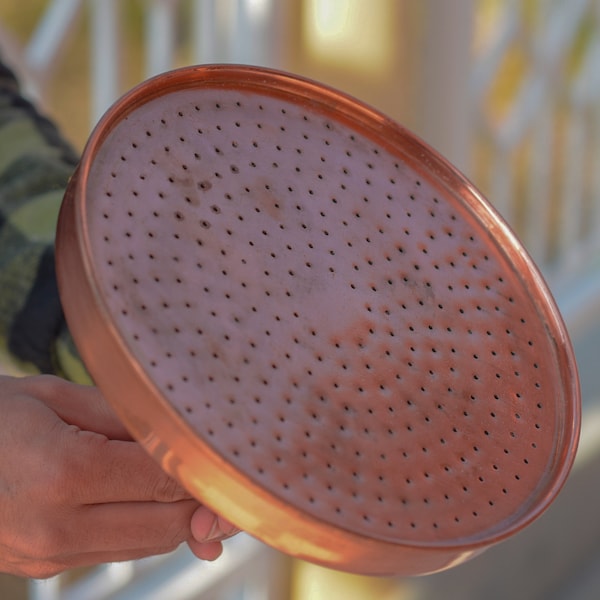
(507, 90)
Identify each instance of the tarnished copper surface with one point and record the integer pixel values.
(315, 323)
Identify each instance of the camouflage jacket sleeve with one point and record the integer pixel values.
(35, 166)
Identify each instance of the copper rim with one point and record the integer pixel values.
(315, 322)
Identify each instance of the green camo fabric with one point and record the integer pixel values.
(35, 166)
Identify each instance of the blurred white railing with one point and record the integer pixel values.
(528, 100)
(241, 31)
(529, 119)
(540, 149)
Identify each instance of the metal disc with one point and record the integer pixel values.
(315, 322)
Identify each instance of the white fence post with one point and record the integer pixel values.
(105, 54)
(160, 36)
(45, 43)
(444, 56)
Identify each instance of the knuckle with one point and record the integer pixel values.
(175, 536)
(166, 489)
(177, 525)
(57, 482)
(40, 549)
(67, 478)
(50, 543)
(50, 385)
(178, 531)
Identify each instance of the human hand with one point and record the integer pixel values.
(75, 490)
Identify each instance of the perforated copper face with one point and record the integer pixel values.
(315, 323)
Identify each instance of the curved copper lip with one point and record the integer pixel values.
(346, 110)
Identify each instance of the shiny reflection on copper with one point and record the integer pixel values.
(315, 322)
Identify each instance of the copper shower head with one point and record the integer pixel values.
(314, 322)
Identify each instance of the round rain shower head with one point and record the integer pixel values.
(314, 322)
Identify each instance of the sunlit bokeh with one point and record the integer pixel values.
(349, 33)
